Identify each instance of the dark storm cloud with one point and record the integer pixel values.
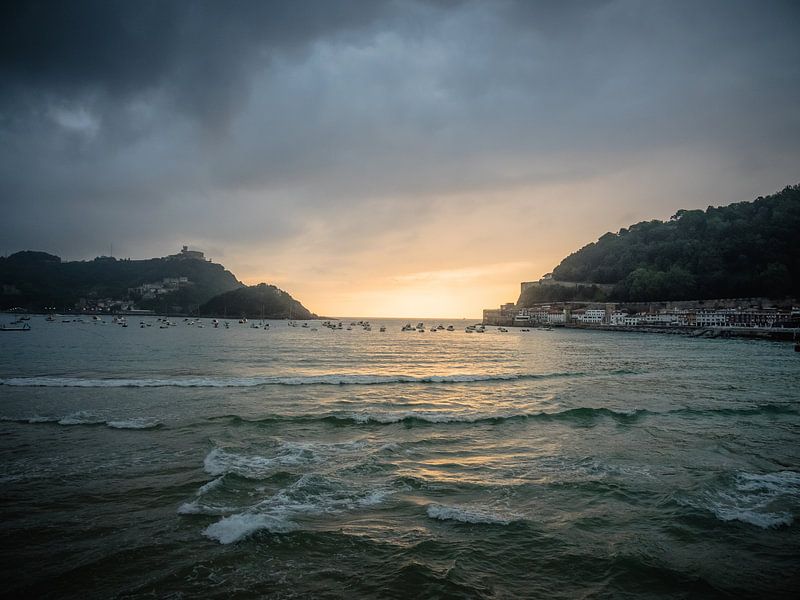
(199, 51)
(153, 122)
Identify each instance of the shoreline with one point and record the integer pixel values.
(756, 333)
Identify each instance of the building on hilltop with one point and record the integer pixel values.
(186, 254)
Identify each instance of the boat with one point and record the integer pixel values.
(15, 326)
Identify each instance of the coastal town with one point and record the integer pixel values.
(732, 314)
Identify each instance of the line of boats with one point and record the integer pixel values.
(21, 324)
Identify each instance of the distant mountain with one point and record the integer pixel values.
(748, 249)
(256, 301)
(37, 281)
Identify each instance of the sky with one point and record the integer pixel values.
(398, 158)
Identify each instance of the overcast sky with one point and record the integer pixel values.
(403, 158)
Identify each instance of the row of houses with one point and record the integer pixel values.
(617, 315)
(149, 291)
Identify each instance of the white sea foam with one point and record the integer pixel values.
(235, 527)
(81, 418)
(310, 495)
(328, 379)
(196, 508)
(38, 419)
(34, 419)
(84, 417)
(135, 423)
(387, 418)
(766, 500)
(468, 515)
(211, 485)
(220, 461)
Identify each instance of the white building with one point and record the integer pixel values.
(661, 319)
(594, 315)
(711, 318)
(618, 318)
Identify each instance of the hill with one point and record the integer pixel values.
(747, 249)
(40, 281)
(256, 301)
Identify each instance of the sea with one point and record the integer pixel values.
(188, 461)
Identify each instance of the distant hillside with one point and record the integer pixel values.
(254, 301)
(37, 280)
(746, 249)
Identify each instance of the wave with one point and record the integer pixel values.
(236, 527)
(469, 515)
(761, 500)
(88, 418)
(581, 414)
(135, 423)
(310, 495)
(769, 409)
(235, 382)
(221, 462)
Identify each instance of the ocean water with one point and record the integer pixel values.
(290, 463)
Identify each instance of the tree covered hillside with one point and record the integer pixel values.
(36, 280)
(742, 250)
(256, 301)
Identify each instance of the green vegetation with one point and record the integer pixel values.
(36, 280)
(561, 293)
(747, 249)
(256, 301)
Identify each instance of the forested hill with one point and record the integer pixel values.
(256, 301)
(746, 249)
(37, 280)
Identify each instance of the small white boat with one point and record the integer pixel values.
(15, 326)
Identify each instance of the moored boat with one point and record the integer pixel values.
(15, 326)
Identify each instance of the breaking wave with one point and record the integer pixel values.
(309, 495)
(583, 414)
(88, 418)
(767, 501)
(469, 515)
(235, 382)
